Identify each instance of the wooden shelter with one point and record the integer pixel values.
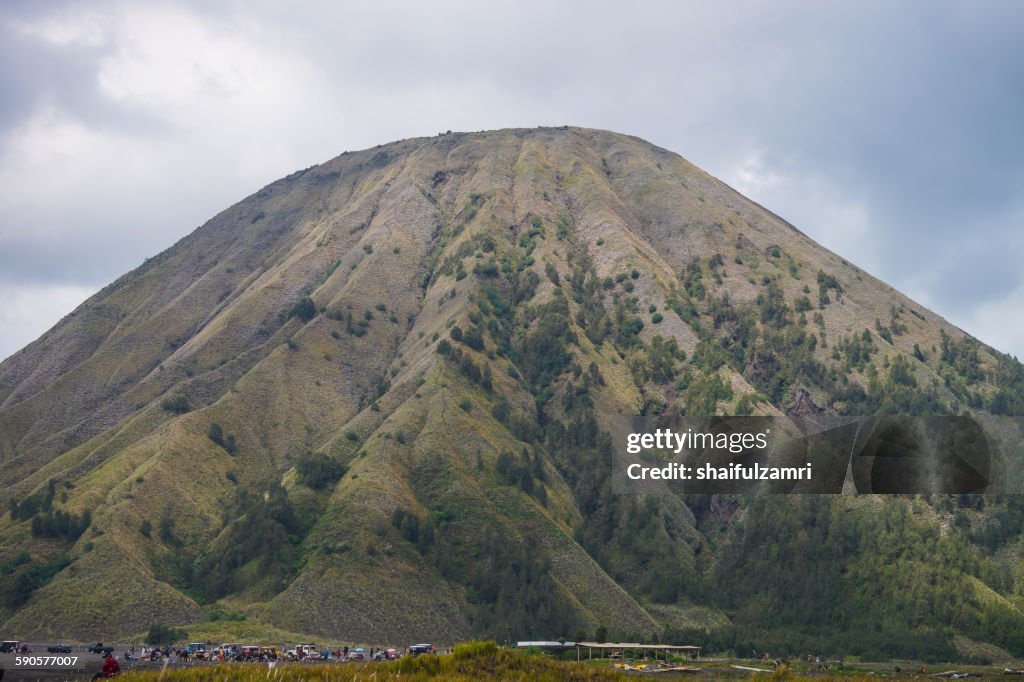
(619, 649)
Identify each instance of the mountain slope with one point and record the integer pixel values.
(373, 400)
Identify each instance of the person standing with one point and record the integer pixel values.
(110, 667)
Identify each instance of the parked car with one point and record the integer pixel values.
(197, 650)
(100, 648)
(59, 648)
(9, 646)
(227, 651)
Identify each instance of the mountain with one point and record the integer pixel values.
(373, 402)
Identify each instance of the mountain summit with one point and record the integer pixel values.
(373, 402)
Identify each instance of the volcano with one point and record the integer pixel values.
(374, 402)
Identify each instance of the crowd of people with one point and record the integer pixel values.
(250, 653)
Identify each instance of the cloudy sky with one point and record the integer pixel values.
(893, 133)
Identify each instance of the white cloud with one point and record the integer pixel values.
(68, 27)
(27, 312)
(753, 176)
(215, 110)
(998, 323)
(211, 76)
(815, 205)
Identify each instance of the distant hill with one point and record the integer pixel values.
(372, 402)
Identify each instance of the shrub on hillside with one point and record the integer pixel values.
(473, 649)
(305, 309)
(162, 634)
(216, 434)
(61, 524)
(176, 405)
(17, 589)
(318, 471)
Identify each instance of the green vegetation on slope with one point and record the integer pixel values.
(398, 374)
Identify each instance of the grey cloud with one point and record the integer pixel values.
(910, 112)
